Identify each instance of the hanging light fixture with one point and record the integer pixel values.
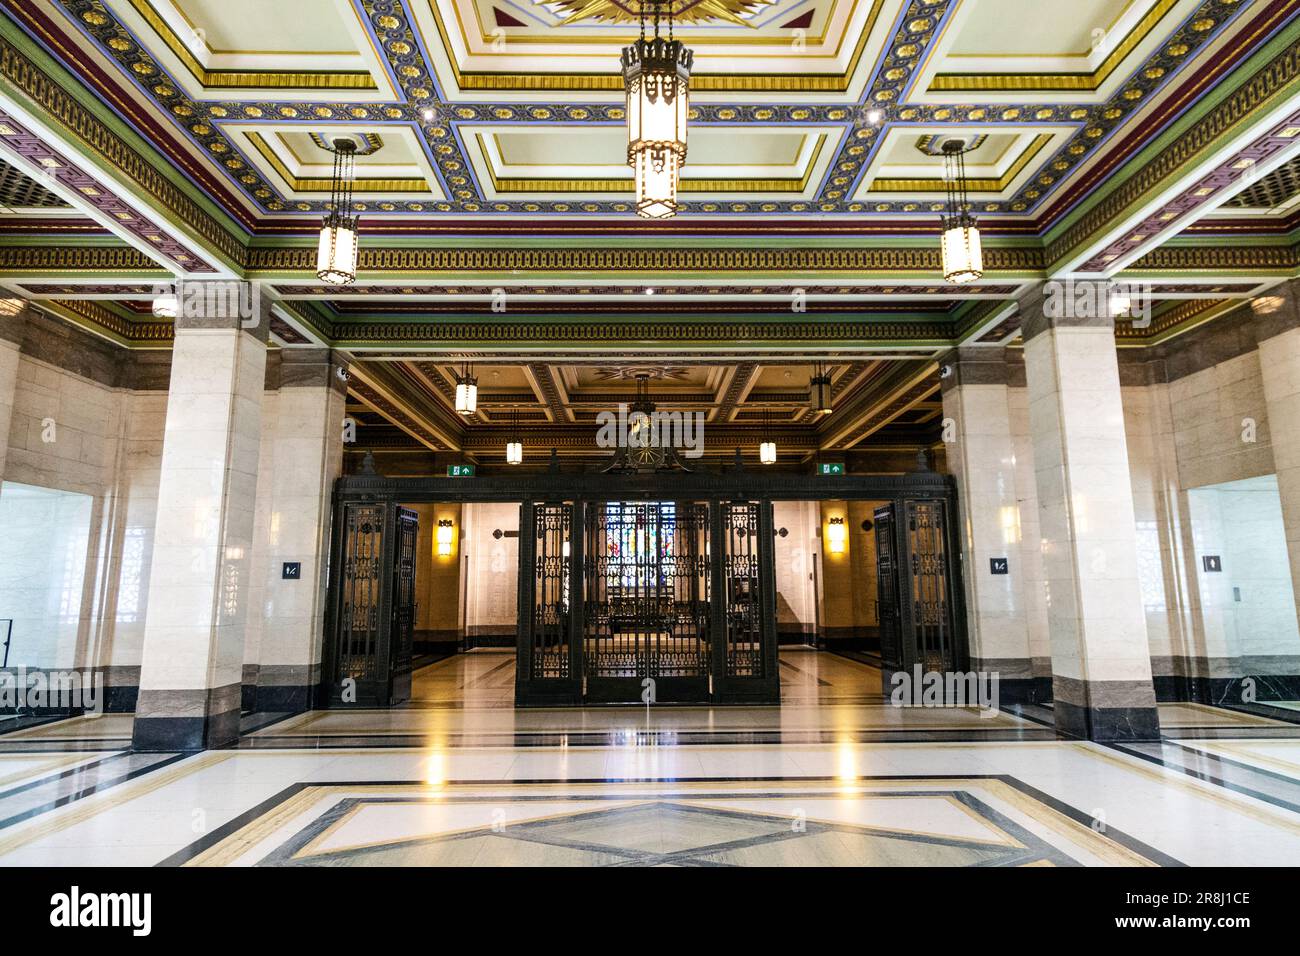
(767, 448)
(963, 259)
(821, 381)
(336, 255)
(656, 76)
(514, 447)
(466, 391)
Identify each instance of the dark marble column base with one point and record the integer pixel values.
(183, 720)
(1105, 711)
(1107, 724)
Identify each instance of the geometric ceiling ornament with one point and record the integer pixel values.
(363, 144)
(678, 11)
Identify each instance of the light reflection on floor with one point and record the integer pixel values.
(832, 776)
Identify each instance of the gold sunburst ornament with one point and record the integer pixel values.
(681, 11)
(656, 77)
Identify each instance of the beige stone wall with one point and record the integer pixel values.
(438, 577)
(492, 569)
(69, 432)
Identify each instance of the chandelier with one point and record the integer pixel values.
(514, 447)
(656, 75)
(336, 256)
(963, 259)
(466, 391)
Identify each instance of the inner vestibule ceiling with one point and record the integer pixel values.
(1149, 140)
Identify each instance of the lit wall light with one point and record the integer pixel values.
(837, 534)
(446, 535)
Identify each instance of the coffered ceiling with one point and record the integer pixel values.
(407, 406)
(1151, 140)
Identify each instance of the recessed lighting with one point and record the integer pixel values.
(650, 291)
(874, 117)
(428, 116)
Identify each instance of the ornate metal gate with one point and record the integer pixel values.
(918, 616)
(887, 610)
(373, 605)
(927, 556)
(646, 628)
(674, 581)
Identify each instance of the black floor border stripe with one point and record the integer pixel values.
(90, 791)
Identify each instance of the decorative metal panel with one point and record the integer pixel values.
(551, 596)
(361, 598)
(931, 609)
(743, 582)
(646, 575)
(887, 589)
(403, 632)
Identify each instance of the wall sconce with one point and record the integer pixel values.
(446, 532)
(836, 535)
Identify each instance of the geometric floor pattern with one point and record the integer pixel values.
(834, 776)
(918, 822)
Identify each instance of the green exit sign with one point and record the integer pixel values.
(830, 468)
(460, 471)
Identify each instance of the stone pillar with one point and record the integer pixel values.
(981, 456)
(308, 456)
(1278, 334)
(1101, 664)
(12, 328)
(1031, 539)
(199, 578)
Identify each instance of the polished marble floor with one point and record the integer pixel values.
(833, 776)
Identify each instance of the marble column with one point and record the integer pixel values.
(12, 328)
(199, 576)
(308, 455)
(1101, 664)
(981, 456)
(1031, 539)
(1278, 334)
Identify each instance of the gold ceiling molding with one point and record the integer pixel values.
(64, 260)
(1256, 94)
(687, 185)
(682, 11)
(1054, 82)
(310, 185)
(666, 259)
(700, 82)
(974, 185)
(62, 107)
(89, 314)
(243, 79)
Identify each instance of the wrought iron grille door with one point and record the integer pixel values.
(646, 610)
(401, 636)
(373, 605)
(746, 614)
(927, 553)
(356, 654)
(551, 658)
(887, 609)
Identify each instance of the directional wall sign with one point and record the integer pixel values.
(460, 471)
(1212, 563)
(830, 468)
